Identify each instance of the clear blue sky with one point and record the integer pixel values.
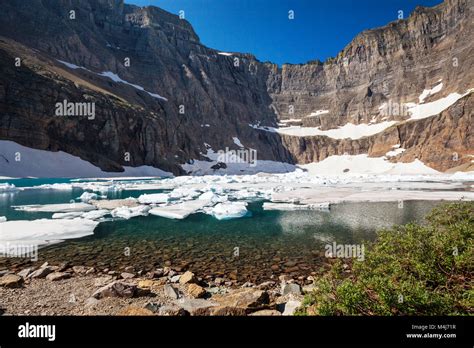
(320, 29)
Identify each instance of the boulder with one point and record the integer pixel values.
(196, 291)
(11, 281)
(187, 277)
(196, 306)
(42, 272)
(126, 275)
(25, 272)
(291, 289)
(244, 298)
(55, 276)
(171, 291)
(172, 310)
(116, 289)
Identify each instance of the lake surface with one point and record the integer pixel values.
(255, 248)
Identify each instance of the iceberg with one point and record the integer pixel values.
(128, 213)
(229, 210)
(154, 198)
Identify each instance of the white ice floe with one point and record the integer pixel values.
(55, 208)
(154, 198)
(48, 164)
(95, 214)
(237, 142)
(3, 218)
(6, 187)
(179, 211)
(116, 78)
(71, 215)
(44, 231)
(128, 213)
(229, 210)
(87, 196)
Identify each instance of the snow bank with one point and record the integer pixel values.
(428, 92)
(48, 164)
(349, 130)
(116, 78)
(363, 164)
(420, 111)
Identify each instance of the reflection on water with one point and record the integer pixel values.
(270, 243)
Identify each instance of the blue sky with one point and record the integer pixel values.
(320, 28)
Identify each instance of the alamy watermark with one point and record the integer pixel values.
(84, 109)
(29, 251)
(345, 251)
(238, 156)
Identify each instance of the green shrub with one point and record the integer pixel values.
(409, 270)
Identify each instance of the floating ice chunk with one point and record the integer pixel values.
(45, 231)
(292, 206)
(95, 214)
(55, 208)
(127, 213)
(59, 187)
(154, 198)
(184, 193)
(71, 215)
(230, 210)
(180, 211)
(6, 187)
(87, 196)
(3, 218)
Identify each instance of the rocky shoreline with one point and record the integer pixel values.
(78, 290)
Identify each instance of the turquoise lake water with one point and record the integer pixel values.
(255, 248)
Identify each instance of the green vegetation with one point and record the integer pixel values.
(409, 270)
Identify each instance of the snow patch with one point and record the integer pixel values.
(428, 92)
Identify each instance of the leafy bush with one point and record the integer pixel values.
(409, 270)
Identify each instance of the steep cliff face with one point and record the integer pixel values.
(162, 98)
(207, 97)
(394, 64)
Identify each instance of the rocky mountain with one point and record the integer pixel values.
(164, 99)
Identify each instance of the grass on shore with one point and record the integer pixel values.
(409, 270)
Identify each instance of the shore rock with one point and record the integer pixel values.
(55, 276)
(132, 310)
(196, 291)
(187, 277)
(116, 289)
(266, 312)
(291, 289)
(11, 281)
(171, 291)
(244, 298)
(42, 272)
